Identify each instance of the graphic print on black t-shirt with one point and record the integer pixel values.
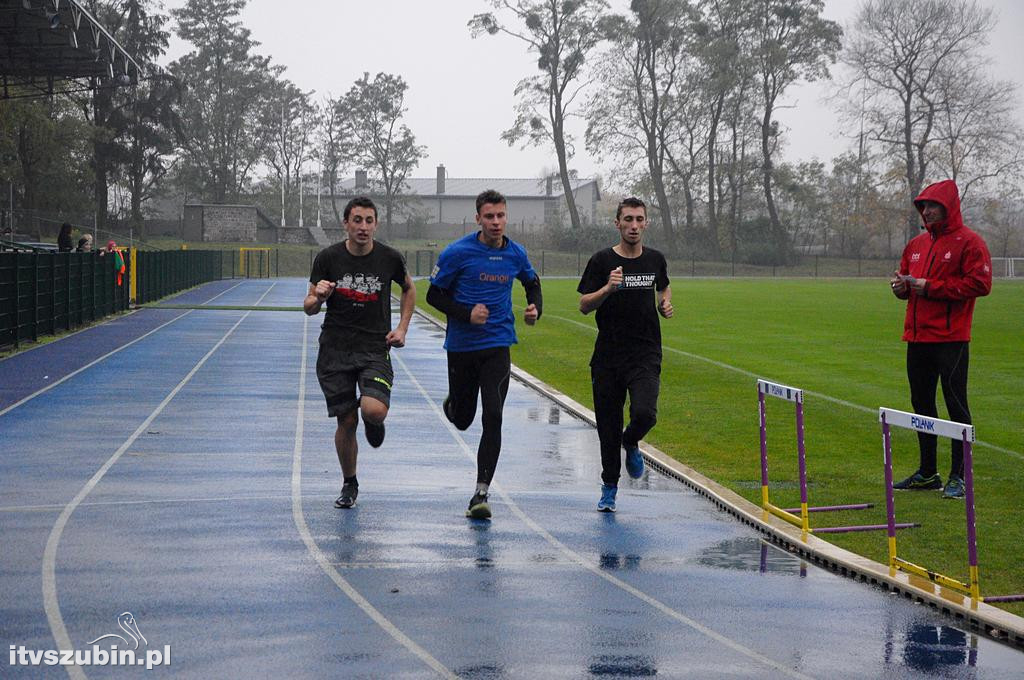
(628, 328)
(633, 281)
(359, 310)
(359, 288)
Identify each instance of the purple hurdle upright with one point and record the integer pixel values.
(951, 430)
(799, 516)
(796, 396)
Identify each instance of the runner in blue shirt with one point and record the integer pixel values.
(472, 285)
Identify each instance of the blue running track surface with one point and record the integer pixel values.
(188, 479)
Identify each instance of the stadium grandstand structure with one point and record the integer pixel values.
(57, 46)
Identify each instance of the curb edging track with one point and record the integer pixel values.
(978, 616)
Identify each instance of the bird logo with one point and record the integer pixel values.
(126, 622)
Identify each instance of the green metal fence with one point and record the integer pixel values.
(163, 272)
(43, 293)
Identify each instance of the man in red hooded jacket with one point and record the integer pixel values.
(941, 273)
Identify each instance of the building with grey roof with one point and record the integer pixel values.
(448, 201)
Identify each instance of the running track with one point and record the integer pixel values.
(189, 479)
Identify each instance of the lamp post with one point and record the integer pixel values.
(283, 172)
(319, 182)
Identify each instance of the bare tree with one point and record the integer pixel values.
(562, 33)
(977, 133)
(292, 118)
(720, 44)
(898, 52)
(1003, 220)
(332, 149)
(372, 110)
(686, 147)
(792, 42)
(635, 113)
(224, 122)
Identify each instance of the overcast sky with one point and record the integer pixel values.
(460, 95)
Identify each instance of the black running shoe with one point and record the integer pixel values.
(445, 406)
(348, 496)
(478, 507)
(918, 482)
(374, 433)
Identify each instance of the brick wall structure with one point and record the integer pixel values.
(220, 223)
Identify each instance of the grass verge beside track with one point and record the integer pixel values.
(840, 340)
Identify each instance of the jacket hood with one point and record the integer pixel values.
(946, 194)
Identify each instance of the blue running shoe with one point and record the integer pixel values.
(634, 462)
(607, 502)
(954, 488)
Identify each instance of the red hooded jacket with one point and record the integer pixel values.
(957, 267)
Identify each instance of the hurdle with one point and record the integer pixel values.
(950, 430)
(795, 395)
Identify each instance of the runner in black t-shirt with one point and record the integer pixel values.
(620, 283)
(354, 278)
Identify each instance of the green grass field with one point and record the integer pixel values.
(839, 339)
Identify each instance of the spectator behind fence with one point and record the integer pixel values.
(84, 244)
(64, 238)
(118, 260)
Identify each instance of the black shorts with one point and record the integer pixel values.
(339, 370)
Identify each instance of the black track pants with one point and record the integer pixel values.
(927, 364)
(610, 386)
(485, 372)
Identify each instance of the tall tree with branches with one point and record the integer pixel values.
(225, 127)
(292, 117)
(720, 41)
(131, 125)
(372, 112)
(792, 42)
(636, 112)
(978, 136)
(562, 33)
(332, 149)
(897, 55)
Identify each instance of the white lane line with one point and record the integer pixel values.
(816, 395)
(468, 562)
(395, 489)
(172, 501)
(578, 559)
(50, 601)
(318, 554)
(106, 356)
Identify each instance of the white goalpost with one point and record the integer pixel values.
(1008, 267)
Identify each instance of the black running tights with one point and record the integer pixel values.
(486, 372)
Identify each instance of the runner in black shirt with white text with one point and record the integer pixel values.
(628, 286)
